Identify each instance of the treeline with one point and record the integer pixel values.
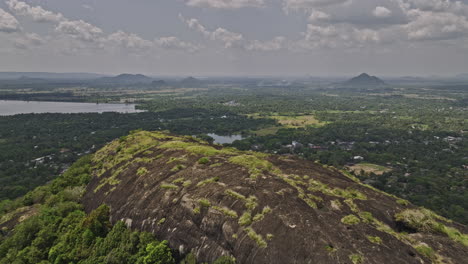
(60, 139)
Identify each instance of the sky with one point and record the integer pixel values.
(236, 37)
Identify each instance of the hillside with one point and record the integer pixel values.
(365, 80)
(125, 79)
(215, 201)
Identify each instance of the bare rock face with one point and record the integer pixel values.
(215, 201)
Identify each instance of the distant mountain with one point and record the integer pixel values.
(190, 81)
(365, 80)
(48, 75)
(462, 76)
(126, 79)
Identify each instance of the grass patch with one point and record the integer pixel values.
(350, 220)
(254, 164)
(235, 194)
(356, 258)
(169, 186)
(375, 239)
(245, 219)
(348, 193)
(177, 181)
(402, 202)
(256, 237)
(260, 216)
(425, 250)
(178, 167)
(203, 160)
(142, 171)
(204, 202)
(251, 202)
(214, 165)
(226, 211)
(187, 183)
(207, 181)
(352, 205)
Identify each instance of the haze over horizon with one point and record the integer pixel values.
(236, 37)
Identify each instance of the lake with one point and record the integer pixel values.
(10, 107)
(225, 139)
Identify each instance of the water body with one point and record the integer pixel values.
(10, 107)
(225, 139)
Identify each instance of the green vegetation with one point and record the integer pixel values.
(350, 220)
(235, 195)
(260, 216)
(256, 237)
(142, 171)
(60, 232)
(425, 250)
(169, 186)
(245, 219)
(423, 220)
(254, 164)
(356, 258)
(402, 202)
(375, 239)
(226, 211)
(204, 202)
(203, 160)
(207, 181)
(178, 167)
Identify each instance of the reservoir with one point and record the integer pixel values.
(10, 107)
(225, 139)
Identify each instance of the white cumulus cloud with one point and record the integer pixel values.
(381, 11)
(226, 4)
(28, 40)
(37, 13)
(8, 23)
(79, 29)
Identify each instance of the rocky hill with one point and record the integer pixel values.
(365, 80)
(125, 79)
(259, 208)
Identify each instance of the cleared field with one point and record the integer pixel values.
(298, 121)
(368, 168)
(292, 121)
(266, 131)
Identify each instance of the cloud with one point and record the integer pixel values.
(226, 4)
(128, 40)
(318, 15)
(300, 5)
(8, 23)
(231, 39)
(228, 38)
(337, 36)
(436, 26)
(272, 45)
(80, 30)
(37, 13)
(176, 44)
(381, 11)
(435, 20)
(435, 5)
(28, 40)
